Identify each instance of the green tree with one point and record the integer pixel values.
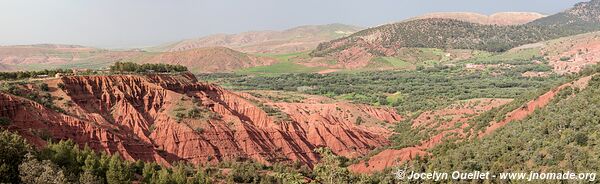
(32, 171)
(163, 177)
(118, 171)
(330, 170)
(12, 152)
(88, 177)
(179, 175)
(149, 171)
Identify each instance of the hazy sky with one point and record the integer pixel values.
(139, 23)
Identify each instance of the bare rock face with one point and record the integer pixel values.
(167, 118)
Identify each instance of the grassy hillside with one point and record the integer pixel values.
(286, 63)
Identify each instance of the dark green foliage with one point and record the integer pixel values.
(565, 58)
(12, 153)
(44, 98)
(118, 171)
(143, 68)
(65, 162)
(61, 86)
(560, 137)
(406, 136)
(430, 88)
(4, 121)
(30, 74)
(195, 113)
(446, 34)
(246, 172)
(331, 169)
(44, 87)
(359, 121)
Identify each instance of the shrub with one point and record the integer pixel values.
(61, 86)
(44, 87)
(5, 121)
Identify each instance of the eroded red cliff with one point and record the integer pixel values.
(167, 118)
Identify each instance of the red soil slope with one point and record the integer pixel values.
(134, 116)
(531, 106)
(456, 114)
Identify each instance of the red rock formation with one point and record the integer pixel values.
(135, 116)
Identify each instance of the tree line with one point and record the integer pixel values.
(148, 67)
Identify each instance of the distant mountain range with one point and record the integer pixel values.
(47, 56)
(335, 45)
(298, 39)
(445, 33)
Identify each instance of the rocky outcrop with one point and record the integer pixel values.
(167, 118)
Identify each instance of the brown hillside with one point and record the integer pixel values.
(502, 18)
(39, 57)
(297, 39)
(210, 59)
(568, 54)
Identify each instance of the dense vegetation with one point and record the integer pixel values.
(441, 33)
(31, 74)
(427, 88)
(143, 68)
(560, 137)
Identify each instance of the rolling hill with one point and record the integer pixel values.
(567, 54)
(501, 18)
(385, 40)
(298, 39)
(50, 56)
(207, 59)
(583, 16)
(201, 60)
